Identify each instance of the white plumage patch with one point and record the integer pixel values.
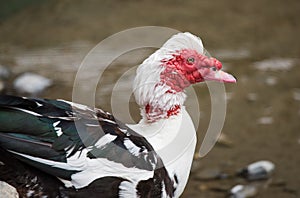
(67, 183)
(30, 193)
(91, 169)
(108, 138)
(48, 162)
(164, 193)
(134, 149)
(76, 105)
(107, 120)
(38, 104)
(58, 130)
(26, 111)
(124, 131)
(93, 125)
(127, 189)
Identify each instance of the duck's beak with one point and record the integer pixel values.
(220, 76)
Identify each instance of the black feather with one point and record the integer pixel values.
(54, 130)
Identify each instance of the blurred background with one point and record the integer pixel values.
(42, 43)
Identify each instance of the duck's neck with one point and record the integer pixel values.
(163, 103)
(169, 136)
(174, 140)
(152, 113)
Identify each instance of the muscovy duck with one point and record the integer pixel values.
(56, 148)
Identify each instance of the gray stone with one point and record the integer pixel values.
(258, 170)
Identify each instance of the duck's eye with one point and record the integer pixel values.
(190, 60)
(214, 68)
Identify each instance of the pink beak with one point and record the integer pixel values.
(220, 76)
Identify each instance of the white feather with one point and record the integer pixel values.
(77, 105)
(92, 169)
(174, 140)
(26, 111)
(38, 104)
(127, 190)
(135, 150)
(105, 140)
(107, 120)
(58, 130)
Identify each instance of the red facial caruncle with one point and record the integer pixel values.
(187, 67)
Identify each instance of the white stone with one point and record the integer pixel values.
(7, 190)
(275, 64)
(265, 120)
(31, 83)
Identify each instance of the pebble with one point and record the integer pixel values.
(265, 120)
(275, 64)
(271, 80)
(296, 94)
(252, 97)
(257, 170)
(243, 191)
(7, 190)
(30, 83)
(4, 72)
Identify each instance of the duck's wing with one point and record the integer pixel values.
(79, 145)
